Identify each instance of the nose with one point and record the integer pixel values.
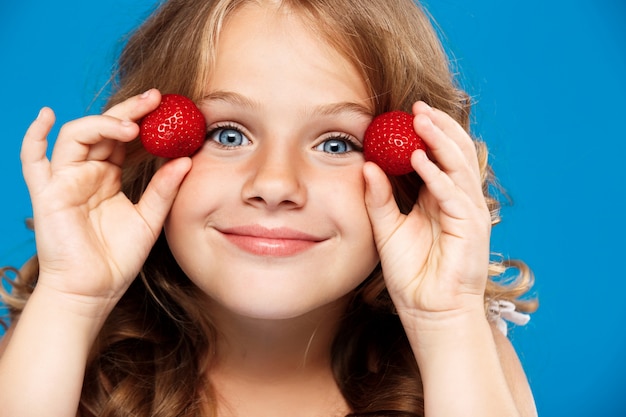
(276, 180)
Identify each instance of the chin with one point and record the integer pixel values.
(267, 308)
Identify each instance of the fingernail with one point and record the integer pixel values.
(127, 123)
(421, 154)
(145, 94)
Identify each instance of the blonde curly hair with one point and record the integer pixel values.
(150, 357)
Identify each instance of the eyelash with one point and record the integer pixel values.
(223, 126)
(355, 144)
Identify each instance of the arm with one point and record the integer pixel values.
(435, 261)
(87, 261)
(470, 369)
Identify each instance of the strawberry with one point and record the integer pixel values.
(176, 128)
(390, 140)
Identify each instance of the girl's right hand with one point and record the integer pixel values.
(91, 240)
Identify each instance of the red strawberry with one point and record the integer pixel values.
(390, 140)
(176, 128)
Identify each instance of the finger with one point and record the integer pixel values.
(112, 148)
(450, 198)
(449, 157)
(136, 107)
(132, 110)
(385, 216)
(125, 114)
(403, 241)
(91, 138)
(451, 129)
(97, 137)
(35, 164)
(118, 154)
(157, 199)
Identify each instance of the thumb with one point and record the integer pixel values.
(384, 214)
(157, 199)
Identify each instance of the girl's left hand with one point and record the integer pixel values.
(435, 259)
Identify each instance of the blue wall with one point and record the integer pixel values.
(548, 81)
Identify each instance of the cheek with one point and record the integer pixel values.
(186, 224)
(349, 189)
(203, 187)
(345, 201)
(198, 196)
(189, 202)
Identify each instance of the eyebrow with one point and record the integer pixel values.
(330, 109)
(232, 98)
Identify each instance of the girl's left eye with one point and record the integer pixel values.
(336, 145)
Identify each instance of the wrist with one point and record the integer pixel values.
(77, 308)
(438, 331)
(442, 317)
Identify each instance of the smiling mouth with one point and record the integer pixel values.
(277, 242)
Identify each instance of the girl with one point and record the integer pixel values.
(274, 272)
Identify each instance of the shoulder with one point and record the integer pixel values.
(514, 373)
(4, 340)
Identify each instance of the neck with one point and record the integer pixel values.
(273, 367)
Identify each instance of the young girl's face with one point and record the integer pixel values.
(270, 222)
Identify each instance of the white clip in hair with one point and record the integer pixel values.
(501, 311)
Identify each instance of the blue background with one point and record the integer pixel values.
(548, 79)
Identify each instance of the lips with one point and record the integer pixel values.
(276, 242)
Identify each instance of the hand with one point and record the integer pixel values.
(91, 240)
(435, 259)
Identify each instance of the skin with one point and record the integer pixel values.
(277, 310)
(279, 177)
(275, 300)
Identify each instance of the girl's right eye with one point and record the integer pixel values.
(228, 136)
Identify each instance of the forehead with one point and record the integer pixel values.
(261, 43)
(275, 22)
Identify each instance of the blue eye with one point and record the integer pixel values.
(229, 137)
(335, 146)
